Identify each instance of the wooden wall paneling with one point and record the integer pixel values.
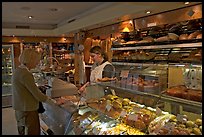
(36, 39)
(17, 53)
(87, 47)
(79, 38)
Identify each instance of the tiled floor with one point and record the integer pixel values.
(8, 122)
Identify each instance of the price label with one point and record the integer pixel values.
(95, 131)
(78, 130)
(124, 73)
(108, 107)
(158, 111)
(136, 109)
(83, 99)
(169, 126)
(153, 133)
(133, 117)
(123, 113)
(113, 92)
(181, 118)
(151, 24)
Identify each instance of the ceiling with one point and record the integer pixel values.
(66, 18)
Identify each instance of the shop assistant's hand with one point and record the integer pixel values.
(82, 89)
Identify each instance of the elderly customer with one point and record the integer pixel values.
(26, 94)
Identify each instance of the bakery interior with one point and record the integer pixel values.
(155, 47)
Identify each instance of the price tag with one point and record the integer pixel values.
(95, 131)
(124, 73)
(83, 99)
(153, 133)
(136, 109)
(169, 126)
(123, 113)
(151, 24)
(181, 118)
(78, 130)
(158, 111)
(113, 92)
(133, 117)
(108, 107)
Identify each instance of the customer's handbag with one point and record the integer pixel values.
(41, 109)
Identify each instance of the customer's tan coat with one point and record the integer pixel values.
(26, 95)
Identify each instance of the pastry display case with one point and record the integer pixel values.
(7, 68)
(114, 115)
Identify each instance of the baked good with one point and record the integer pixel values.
(163, 38)
(183, 37)
(175, 56)
(173, 36)
(199, 36)
(194, 35)
(106, 79)
(161, 57)
(125, 102)
(176, 91)
(195, 95)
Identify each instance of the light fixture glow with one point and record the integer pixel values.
(186, 3)
(148, 12)
(30, 17)
(126, 29)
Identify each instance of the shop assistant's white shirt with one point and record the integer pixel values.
(97, 72)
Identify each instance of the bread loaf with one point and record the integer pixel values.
(183, 37)
(194, 35)
(185, 93)
(164, 38)
(199, 36)
(173, 36)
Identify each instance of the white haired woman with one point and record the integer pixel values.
(26, 94)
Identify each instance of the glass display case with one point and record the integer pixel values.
(115, 115)
(181, 62)
(7, 70)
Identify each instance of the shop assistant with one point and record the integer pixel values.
(101, 68)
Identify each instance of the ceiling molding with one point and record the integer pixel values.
(106, 13)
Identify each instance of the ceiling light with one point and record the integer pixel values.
(30, 17)
(126, 29)
(148, 12)
(186, 3)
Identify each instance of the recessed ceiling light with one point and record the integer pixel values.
(30, 17)
(148, 12)
(186, 3)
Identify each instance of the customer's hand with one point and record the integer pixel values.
(50, 101)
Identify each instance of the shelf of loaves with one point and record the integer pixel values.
(162, 45)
